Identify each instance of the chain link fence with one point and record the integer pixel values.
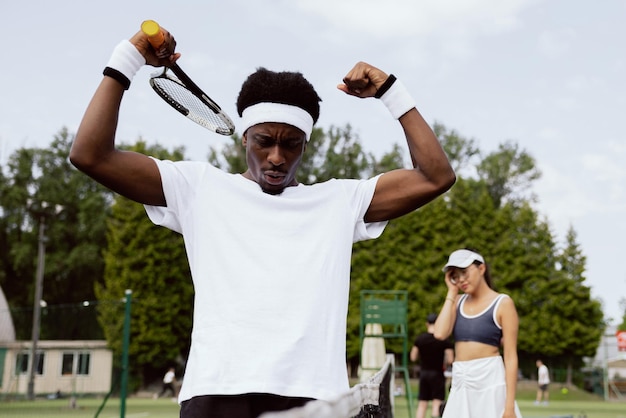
(65, 364)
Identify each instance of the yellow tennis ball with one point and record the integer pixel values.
(564, 391)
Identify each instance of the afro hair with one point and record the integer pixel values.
(284, 87)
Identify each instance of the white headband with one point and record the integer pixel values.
(277, 112)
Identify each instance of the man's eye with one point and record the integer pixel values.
(289, 144)
(295, 143)
(264, 142)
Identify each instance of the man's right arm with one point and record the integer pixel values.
(93, 152)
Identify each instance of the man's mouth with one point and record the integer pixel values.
(274, 177)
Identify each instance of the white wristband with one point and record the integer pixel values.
(126, 59)
(398, 100)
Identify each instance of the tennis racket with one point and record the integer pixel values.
(180, 92)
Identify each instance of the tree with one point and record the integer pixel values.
(622, 304)
(520, 251)
(336, 154)
(460, 151)
(41, 188)
(508, 172)
(522, 262)
(578, 317)
(233, 156)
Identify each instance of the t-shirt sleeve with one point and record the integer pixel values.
(178, 179)
(364, 195)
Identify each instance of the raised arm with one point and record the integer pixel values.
(401, 191)
(93, 152)
(447, 316)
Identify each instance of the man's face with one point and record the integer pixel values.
(273, 154)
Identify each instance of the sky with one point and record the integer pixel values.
(549, 75)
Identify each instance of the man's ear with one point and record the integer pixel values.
(244, 139)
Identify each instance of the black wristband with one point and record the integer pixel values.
(385, 86)
(117, 76)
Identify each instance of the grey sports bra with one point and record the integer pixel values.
(482, 328)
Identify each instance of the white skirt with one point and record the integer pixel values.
(478, 389)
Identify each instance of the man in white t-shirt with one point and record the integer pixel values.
(543, 380)
(168, 383)
(269, 256)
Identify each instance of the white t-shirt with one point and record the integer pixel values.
(271, 277)
(544, 376)
(169, 377)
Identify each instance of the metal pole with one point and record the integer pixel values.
(605, 372)
(34, 360)
(125, 344)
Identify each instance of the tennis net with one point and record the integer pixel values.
(370, 399)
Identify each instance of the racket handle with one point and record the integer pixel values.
(154, 32)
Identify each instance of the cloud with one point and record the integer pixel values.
(394, 18)
(561, 197)
(617, 146)
(603, 167)
(607, 171)
(556, 43)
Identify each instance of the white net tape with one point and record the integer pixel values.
(347, 405)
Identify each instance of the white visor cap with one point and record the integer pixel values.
(463, 259)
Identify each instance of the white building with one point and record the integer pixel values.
(609, 355)
(7, 330)
(68, 367)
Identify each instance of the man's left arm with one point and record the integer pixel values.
(401, 191)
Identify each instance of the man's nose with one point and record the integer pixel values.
(275, 155)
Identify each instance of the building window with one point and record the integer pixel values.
(83, 363)
(75, 363)
(67, 365)
(22, 363)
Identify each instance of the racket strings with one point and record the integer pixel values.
(185, 102)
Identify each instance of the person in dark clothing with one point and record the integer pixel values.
(434, 355)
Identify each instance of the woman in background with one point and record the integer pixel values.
(481, 321)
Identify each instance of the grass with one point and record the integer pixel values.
(87, 408)
(575, 403)
(574, 409)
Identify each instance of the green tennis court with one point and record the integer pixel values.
(87, 408)
(560, 409)
(165, 408)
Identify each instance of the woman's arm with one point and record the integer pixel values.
(507, 317)
(447, 316)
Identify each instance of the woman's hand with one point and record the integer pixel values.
(453, 289)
